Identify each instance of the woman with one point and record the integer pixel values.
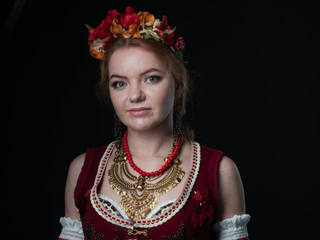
(154, 181)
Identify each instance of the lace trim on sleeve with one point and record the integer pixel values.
(71, 229)
(232, 228)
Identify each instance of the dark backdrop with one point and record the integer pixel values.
(255, 65)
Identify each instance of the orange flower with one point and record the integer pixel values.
(147, 19)
(134, 30)
(96, 54)
(118, 30)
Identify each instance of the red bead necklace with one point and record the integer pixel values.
(164, 167)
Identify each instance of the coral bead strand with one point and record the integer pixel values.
(163, 168)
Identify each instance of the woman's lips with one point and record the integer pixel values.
(139, 111)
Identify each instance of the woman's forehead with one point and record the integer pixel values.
(134, 60)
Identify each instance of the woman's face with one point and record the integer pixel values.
(141, 89)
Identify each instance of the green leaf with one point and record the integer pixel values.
(179, 55)
(147, 35)
(167, 31)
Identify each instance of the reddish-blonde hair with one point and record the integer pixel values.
(175, 67)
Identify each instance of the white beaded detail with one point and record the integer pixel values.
(232, 228)
(71, 229)
(153, 221)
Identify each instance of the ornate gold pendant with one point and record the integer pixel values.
(139, 195)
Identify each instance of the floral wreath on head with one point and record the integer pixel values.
(130, 24)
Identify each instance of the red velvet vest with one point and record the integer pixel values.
(191, 217)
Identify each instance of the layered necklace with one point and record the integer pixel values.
(139, 195)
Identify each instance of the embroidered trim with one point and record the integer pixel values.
(202, 210)
(154, 221)
(90, 231)
(179, 234)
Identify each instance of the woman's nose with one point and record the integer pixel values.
(136, 93)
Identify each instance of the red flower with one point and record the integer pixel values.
(169, 38)
(103, 30)
(180, 45)
(99, 32)
(164, 23)
(107, 22)
(129, 17)
(130, 10)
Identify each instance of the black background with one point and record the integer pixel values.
(256, 68)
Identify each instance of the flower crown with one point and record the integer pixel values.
(130, 24)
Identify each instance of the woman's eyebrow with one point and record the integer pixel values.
(117, 76)
(143, 73)
(150, 70)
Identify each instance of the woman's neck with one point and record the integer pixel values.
(149, 144)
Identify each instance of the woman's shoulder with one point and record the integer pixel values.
(229, 184)
(230, 189)
(76, 165)
(223, 163)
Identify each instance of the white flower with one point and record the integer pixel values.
(98, 44)
(151, 32)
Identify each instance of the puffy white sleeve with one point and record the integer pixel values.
(71, 229)
(232, 228)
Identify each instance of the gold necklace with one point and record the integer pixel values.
(139, 195)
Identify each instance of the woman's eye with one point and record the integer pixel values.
(153, 79)
(118, 84)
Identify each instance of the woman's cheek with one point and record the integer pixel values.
(117, 102)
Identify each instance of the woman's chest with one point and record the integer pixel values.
(193, 220)
(139, 196)
(187, 215)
